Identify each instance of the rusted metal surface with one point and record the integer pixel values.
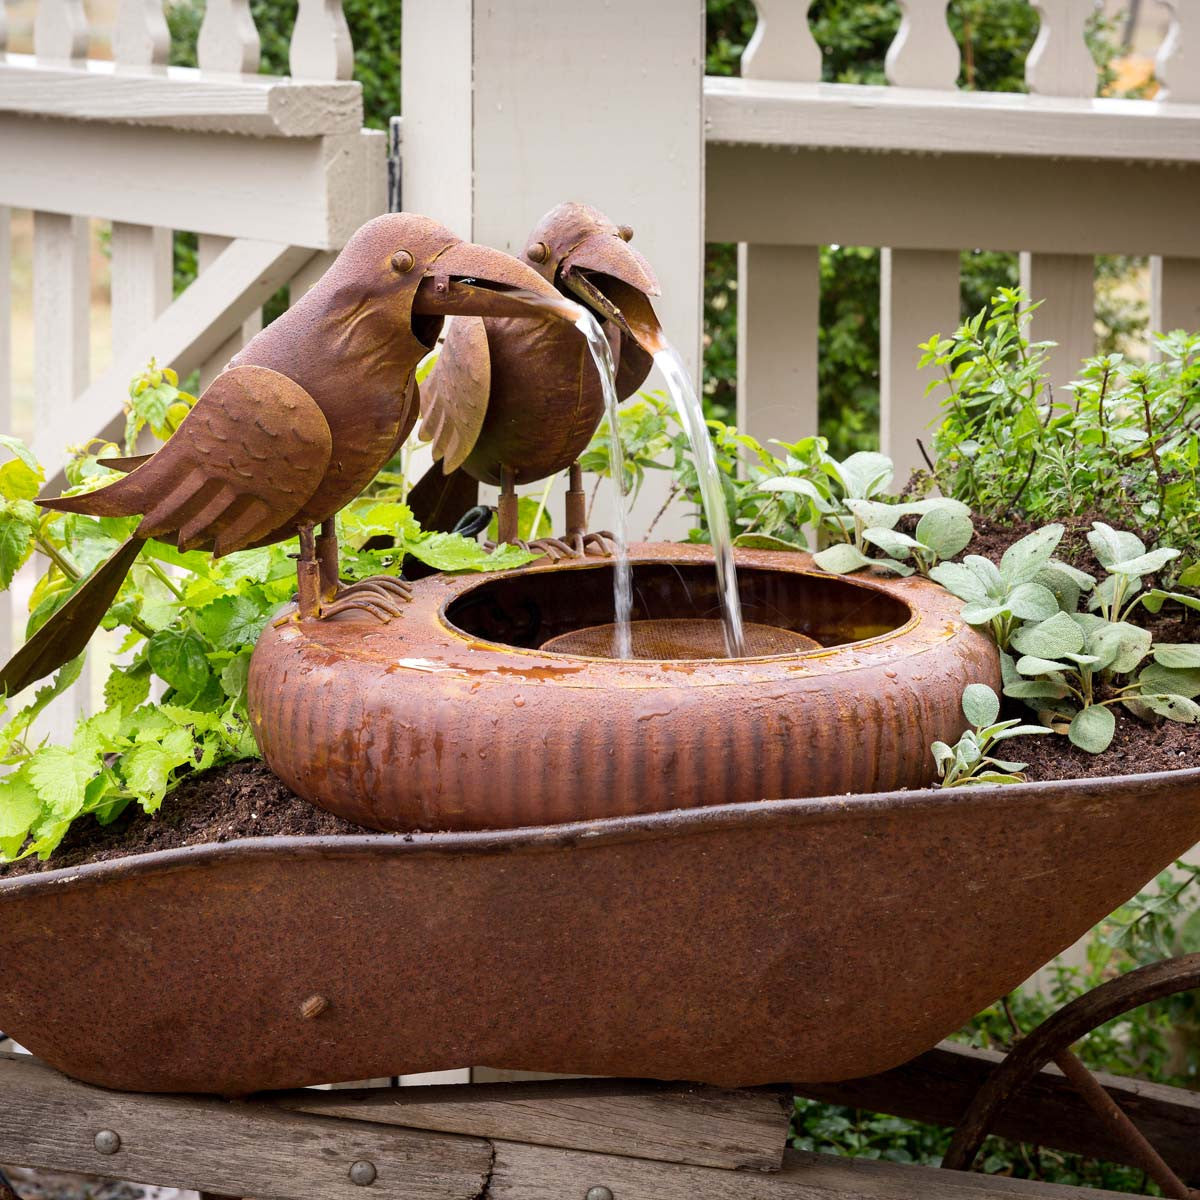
(299, 423)
(454, 718)
(1052, 1042)
(697, 637)
(513, 401)
(790, 940)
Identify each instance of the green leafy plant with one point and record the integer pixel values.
(969, 761)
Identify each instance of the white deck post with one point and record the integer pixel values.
(918, 289)
(1175, 282)
(1060, 64)
(779, 287)
(599, 103)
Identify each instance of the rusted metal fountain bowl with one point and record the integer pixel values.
(783, 941)
(461, 714)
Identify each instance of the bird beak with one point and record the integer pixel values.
(614, 280)
(477, 281)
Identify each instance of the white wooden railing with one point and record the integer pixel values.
(924, 170)
(273, 174)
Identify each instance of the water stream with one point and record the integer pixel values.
(691, 416)
(712, 498)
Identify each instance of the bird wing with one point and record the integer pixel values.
(454, 398)
(243, 463)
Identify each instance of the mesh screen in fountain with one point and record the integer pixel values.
(571, 610)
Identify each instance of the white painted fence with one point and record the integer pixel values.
(510, 107)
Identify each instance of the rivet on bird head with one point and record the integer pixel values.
(363, 1173)
(625, 232)
(107, 1141)
(538, 252)
(402, 262)
(314, 1006)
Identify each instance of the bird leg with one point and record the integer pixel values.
(321, 593)
(578, 543)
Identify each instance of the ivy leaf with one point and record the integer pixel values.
(231, 622)
(60, 777)
(1093, 729)
(178, 658)
(20, 806)
(18, 524)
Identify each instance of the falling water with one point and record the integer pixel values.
(691, 415)
(622, 570)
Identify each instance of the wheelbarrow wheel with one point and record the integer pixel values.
(1051, 1042)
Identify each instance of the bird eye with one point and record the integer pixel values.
(625, 233)
(538, 252)
(402, 262)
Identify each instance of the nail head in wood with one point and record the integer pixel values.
(313, 1007)
(363, 1173)
(107, 1141)
(599, 1193)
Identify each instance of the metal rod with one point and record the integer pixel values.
(1123, 1129)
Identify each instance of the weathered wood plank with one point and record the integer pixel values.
(179, 98)
(665, 1122)
(938, 1086)
(523, 1172)
(237, 1149)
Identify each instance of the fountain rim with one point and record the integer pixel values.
(605, 830)
(638, 556)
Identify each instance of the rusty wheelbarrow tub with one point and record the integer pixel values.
(804, 940)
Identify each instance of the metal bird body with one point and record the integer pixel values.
(296, 426)
(514, 401)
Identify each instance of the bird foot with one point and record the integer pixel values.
(381, 596)
(574, 545)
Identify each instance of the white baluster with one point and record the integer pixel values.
(61, 326)
(208, 250)
(228, 41)
(779, 286)
(60, 30)
(321, 46)
(924, 52)
(6, 421)
(140, 35)
(1060, 63)
(783, 46)
(918, 289)
(1175, 282)
(1178, 62)
(3, 28)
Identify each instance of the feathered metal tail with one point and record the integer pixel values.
(70, 629)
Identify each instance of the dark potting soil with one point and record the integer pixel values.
(245, 800)
(241, 800)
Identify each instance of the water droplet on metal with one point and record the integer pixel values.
(518, 701)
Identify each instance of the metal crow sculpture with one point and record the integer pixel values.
(296, 426)
(513, 401)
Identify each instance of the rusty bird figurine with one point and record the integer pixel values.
(513, 401)
(296, 426)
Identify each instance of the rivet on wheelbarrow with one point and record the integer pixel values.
(107, 1141)
(363, 1173)
(314, 1006)
(599, 1193)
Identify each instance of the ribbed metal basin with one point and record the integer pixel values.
(779, 941)
(459, 715)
